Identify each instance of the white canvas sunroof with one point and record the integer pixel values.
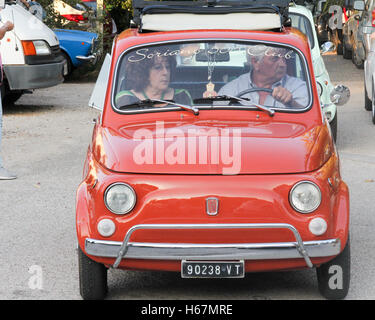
(191, 21)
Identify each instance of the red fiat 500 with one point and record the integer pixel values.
(212, 156)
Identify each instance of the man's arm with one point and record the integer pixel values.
(285, 97)
(295, 93)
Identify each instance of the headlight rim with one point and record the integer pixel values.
(320, 88)
(37, 47)
(295, 186)
(111, 186)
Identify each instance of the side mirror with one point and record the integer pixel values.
(2, 4)
(340, 95)
(359, 5)
(327, 47)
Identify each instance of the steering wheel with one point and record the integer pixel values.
(253, 90)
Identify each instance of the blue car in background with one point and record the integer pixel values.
(78, 47)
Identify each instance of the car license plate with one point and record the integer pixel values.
(212, 269)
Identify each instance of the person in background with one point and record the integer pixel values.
(4, 174)
(26, 4)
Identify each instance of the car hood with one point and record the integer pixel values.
(212, 147)
(65, 34)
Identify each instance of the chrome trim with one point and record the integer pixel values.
(208, 206)
(87, 58)
(233, 251)
(295, 186)
(126, 185)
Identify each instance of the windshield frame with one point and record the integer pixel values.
(209, 106)
(312, 45)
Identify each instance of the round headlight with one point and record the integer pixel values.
(305, 197)
(119, 198)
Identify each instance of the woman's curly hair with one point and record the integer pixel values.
(138, 73)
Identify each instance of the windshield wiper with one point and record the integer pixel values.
(235, 99)
(150, 102)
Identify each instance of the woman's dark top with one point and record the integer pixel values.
(126, 97)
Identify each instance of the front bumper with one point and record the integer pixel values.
(92, 58)
(23, 77)
(227, 251)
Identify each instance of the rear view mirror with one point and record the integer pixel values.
(2, 4)
(203, 55)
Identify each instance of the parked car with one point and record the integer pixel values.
(76, 13)
(369, 79)
(159, 191)
(31, 55)
(78, 48)
(350, 31)
(366, 26)
(302, 19)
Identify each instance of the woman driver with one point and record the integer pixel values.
(150, 79)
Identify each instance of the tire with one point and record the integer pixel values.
(92, 278)
(339, 49)
(70, 65)
(334, 276)
(333, 125)
(358, 62)
(11, 97)
(373, 107)
(368, 102)
(346, 54)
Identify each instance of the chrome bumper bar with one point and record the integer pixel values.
(233, 251)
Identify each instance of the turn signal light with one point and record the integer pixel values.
(28, 48)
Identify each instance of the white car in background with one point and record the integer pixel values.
(302, 19)
(369, 74)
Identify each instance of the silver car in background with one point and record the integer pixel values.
(369, 76)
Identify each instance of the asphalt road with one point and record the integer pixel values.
(45, 140)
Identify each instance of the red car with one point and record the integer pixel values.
(212, 156)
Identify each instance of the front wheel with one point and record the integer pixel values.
(334, 276)
(92, 278)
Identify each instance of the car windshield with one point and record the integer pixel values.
(211, 75)
(303, 24)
